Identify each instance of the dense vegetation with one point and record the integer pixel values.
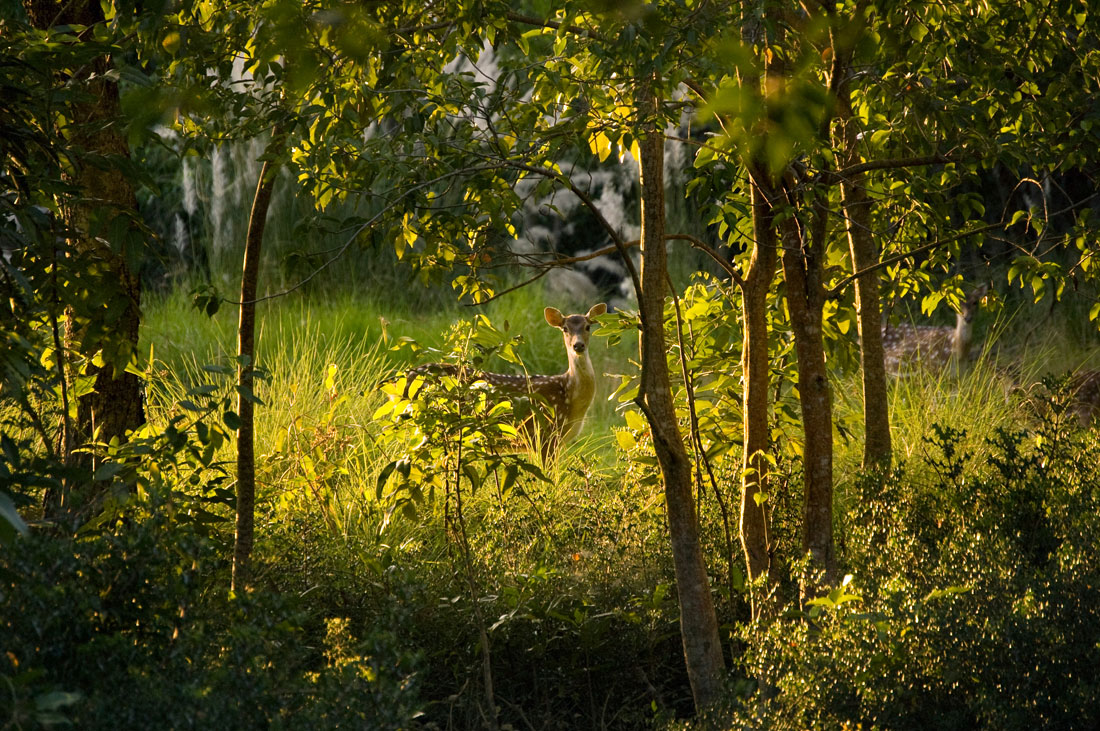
(750, 532)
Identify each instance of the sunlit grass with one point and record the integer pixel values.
(318, 452)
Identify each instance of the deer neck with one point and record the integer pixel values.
(580, 383)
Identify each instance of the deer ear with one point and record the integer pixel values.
(554, 316)
(596, 311)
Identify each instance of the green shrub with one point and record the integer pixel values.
(975, 602)
(135, 625)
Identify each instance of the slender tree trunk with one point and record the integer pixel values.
(856, 205)
(698, 621)
(802, 268)
(246, 355)
(877, 446)
(114, 406)
(755, 367)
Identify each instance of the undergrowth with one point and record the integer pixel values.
(972, 600)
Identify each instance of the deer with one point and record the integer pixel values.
(562, 400)
(1084, 389)
(1076, 394)
(930, 346)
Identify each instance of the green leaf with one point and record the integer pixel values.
(232, 420)
(635, 420)
(535, 472)
(510, 474)
(107, 471)
(473, 476)
(11, 452)
(383, 476)
(946, 592)
(10, 520)
(58, 699)
(247, 394)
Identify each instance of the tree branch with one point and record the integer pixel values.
(839, 287)
(513, 288)
(709, 251)
(590, 205)
(553, 24)
(564, 261)
(901, 162)
(351, 239)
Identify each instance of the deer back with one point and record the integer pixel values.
(906, 345)
(1085, 391)
(930, 346)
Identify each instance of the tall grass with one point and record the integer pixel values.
(326, 358)
(574, 575)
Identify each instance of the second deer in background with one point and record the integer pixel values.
(1085, 393)
(932, 347)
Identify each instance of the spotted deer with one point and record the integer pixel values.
(562, 399)
(1076, 394)
(1084, 389)
(929, 346)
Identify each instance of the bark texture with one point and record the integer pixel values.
(104, 233)
(698, 621)
(802, 268)
(755, 367)
(877, 446)
(856, 206)
(246, 352)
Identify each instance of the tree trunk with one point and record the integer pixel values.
(755, 367)
(856, 205)
(114, 406)
(246, 357)
(698, 622)
(877, 447)
(802, 268)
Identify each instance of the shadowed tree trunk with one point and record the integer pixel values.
(877, 445)
(755, 367)
(802, 267)
(856, 205)
(246, 357)
(105, 245)
(698, 621)
(755, 364)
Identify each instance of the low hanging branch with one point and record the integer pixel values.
(342, 249)
(585, 199)
(565, 261)
(838, 288)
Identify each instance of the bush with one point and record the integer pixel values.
(975, 602)
(132, 629)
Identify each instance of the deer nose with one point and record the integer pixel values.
(578, 347)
